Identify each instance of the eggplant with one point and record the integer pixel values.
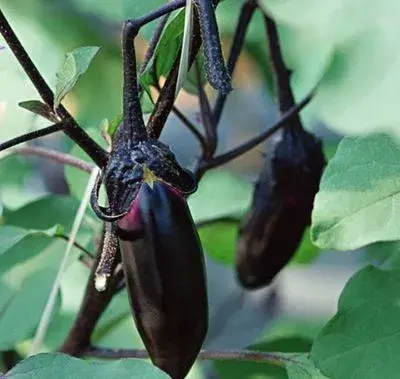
(281, 207)
(165, 277)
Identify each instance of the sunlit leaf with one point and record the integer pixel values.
(359, 202)
(75, 64)
(44, 366)
(365, 329)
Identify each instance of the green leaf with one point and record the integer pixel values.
(307, 252)
(353, 55)
(220, 194)
(384, 254)
(14, 173)
(114, 124)
(359, 341)
(12, 235)
(39, 108)
(44, 366)
(75, 64)
(358, 201)
(20, 315)
(166, 50)
(190, 85)
(302, 367)
(53, 210)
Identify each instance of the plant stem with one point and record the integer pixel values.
(237, 355)
(190, 126)
(282, 74)
(133, 126)
(72, 130)
(33, 135)
(207, 118)
(160, 12)
(246, 14)
(245, 147)
(55, 156)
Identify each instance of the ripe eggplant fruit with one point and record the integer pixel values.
(165, 278)
(281, 207)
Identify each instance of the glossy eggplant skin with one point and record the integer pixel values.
(165, 277)
(281, 208)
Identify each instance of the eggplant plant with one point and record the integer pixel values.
(143, 239)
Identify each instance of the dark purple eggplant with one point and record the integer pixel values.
(281, 208)
(164, 271)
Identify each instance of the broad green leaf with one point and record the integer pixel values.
(16, 87)
(384, 254)
(20, 315)
(301, 367)
(44, 366)
(166, 51)
(220, 194)
(358, 202)
(15, 171)
(359, 341)
(53, 210)
(10, 236)
(75, 64)
(354, 54)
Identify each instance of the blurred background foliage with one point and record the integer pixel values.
(348, 52)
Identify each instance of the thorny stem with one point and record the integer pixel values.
(72, 129)
(238, 355)
(55, 156)
(246, 14)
